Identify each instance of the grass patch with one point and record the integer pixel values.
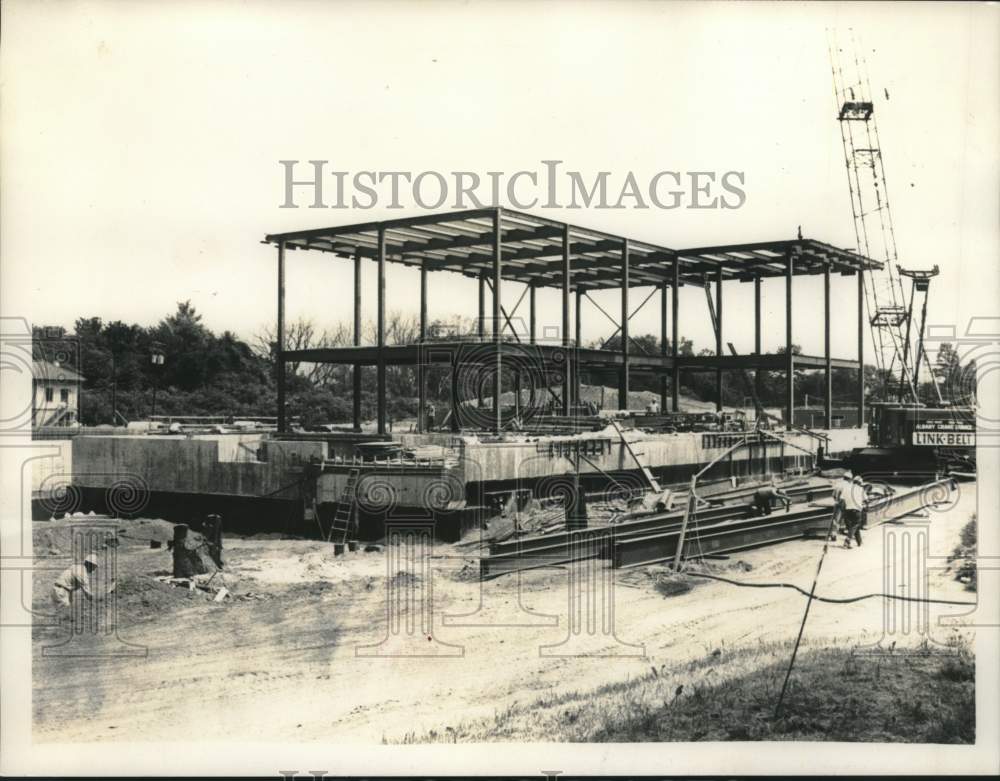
(835, 694)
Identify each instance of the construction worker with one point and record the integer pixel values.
(843, 485)
(73, 579)
(765, 496)
(853, 503)
(839, 490)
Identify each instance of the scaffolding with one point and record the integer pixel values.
(498, 245)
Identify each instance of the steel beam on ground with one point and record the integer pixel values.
(735, 508)
(724, 537)
(904, 503)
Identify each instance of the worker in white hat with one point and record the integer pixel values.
(838, 496)
(853, 503)
(73, 579)
(843, 486)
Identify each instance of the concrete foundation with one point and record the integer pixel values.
(262, 484)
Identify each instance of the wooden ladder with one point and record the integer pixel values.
(345, 509)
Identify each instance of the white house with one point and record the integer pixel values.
(56, 394)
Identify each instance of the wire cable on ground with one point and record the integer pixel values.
(834, 600)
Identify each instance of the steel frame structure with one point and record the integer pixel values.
(497, 244)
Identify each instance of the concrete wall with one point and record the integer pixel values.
(671, 454)
(673, 457)
(221, 464)
(410, 487)
(49, 472)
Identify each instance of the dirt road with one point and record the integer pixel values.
(282, 660)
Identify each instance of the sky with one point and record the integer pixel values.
(141, 141)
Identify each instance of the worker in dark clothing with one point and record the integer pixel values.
(764, 498)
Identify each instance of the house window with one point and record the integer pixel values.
(48, 394)
(64, 395)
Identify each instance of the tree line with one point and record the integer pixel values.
(203, 373)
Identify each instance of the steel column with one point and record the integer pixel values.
(718, 338)
(481, 331)
(861, 348)
(758, 377)
(497, 257)
(380, 391)
(532, 321)
(577, 340)
(828, 369)
(421, 373)
(356, 371)
(623, 381)
(675, 376)
(481, 320)
(663, 344)
(567, 365)
(279, 351)
(789, 356)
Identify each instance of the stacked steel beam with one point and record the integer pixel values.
(715, 530)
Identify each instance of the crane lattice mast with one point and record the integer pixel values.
(889, 315)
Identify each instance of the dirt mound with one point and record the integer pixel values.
(141, 597)
(144, 530)
(58, 535)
